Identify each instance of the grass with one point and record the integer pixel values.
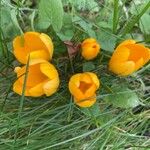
(55, 122)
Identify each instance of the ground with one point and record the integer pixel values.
(120, 118)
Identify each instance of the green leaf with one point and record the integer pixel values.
(51, 12)
(67, 30)
(145, 23)
(88, 66)
(8, 26)
(86, 26)
(84, 5)
(123, 97)
(115, 15)
(137, 6)
(134, 19)
(107, 40)
(15, 20)
(92, 111)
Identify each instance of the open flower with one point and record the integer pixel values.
(83, 87)
(42, 78)
(128, 57)
(90, 48)
(38, 46)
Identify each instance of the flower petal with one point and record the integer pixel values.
(34, 77)
(90, 91)
(95, 79)
(18, 87)
(122, 68)
(20, 51)
(85, 77)
(51, 86)
(75, 79)
(75, 91)
(121, 54)
(48, 43)
(37, 90)
(138, 51)
(127, 68)
(48, 70)
(127, 42)
(33, 41)
(86, 102)
(42, 54)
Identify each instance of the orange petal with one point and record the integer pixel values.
(51, 86)
(34, 42)
(49, 70)
(20, 51)
(75, 91)
(84, 77)
(88, 41)
(138, 51)
(122, 68)
(90, 53)
(34, 77)
(128, 67)
(121, 54)
(75, 79)
(90, 91)
(85, 103)
(48, 43)
(37, 90)
(95, 79)
(127, 42)
(42, 54)
(18, 87)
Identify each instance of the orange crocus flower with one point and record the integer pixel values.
(83, 87)
(42, 78)
(128, 57)
(90, 48)
(37, 45)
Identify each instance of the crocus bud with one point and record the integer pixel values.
(90, 48)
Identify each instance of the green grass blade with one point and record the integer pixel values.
(115, 15)
(133, 20)
(21, 102)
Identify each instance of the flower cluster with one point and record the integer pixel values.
(43, 77)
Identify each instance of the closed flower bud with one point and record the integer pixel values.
(37, 45)
(83, 87)
(42, 78)
(90, 48)
(128, 57)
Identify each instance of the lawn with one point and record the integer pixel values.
(116, 116)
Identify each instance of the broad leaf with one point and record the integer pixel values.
(83, 5)
(67, 30)
(86, 26)
(145, 23)
(123, 97)
(107, 40)
(51, 12)
(92, 111)
(88, 66)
